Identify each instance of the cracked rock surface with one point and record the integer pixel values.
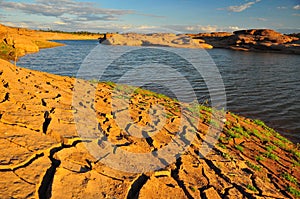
(43, 155)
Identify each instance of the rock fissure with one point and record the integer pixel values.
(175, 176)
(136, 186)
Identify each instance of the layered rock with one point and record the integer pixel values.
(262, 40)
(43, 155)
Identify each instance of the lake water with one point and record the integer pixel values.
(262, 86)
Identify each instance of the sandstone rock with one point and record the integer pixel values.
(211, 193)
(155, 39)
(262, 40)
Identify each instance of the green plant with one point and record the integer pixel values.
(270, 148)
(293, 191)
(169, 115)
(295, 152)
(111, 84)
(204, 108)
(296, 164)
(272, 156)
(232, 134)
(283, 139)
(259, 123)
(226, 156)
(290, 178)
(279, 143)
(241, 131)
(253, 166)
(251, 187)
(257, 134)
(222, 146)
(235, 116)
(259, 158)
(193, 189)
(239, 147)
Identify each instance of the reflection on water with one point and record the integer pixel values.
(258, 85)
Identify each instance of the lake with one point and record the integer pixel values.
(263, 86)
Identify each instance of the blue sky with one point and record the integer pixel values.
(125, 15)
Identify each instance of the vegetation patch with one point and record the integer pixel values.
(270, 148)
(232, 134)
(293, 191)
(222, 146)
(259, 158)
(272, 156)
(290, 178)
(283, 139)
(257, 134)
(253, 166)
(251, 187)
(239, 147)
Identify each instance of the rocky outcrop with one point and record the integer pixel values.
(43, 156)
(155, 39)
(16, 42)
(261, 40)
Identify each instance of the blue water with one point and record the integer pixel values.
(262, 86)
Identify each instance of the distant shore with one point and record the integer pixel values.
(16, 42)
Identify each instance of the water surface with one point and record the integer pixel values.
(262, 86)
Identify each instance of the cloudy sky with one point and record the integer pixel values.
(178, 15)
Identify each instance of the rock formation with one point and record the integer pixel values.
(260, 40)
(156, 39)
(16, 42)
(43, 155)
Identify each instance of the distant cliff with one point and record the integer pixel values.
(261, 40)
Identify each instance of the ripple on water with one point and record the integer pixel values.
(263, 86)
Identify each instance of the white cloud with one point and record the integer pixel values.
(296, 7)
(242, 7)
(60, 23)
(59, 8)
(201, 28)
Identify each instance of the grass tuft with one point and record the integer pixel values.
(271, 156)
(290, 178)
(251, 187)
(253, 166)
(239, 147)
(293, 191)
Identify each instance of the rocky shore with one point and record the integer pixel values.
(43, 156)
(155, 39)
(16, 42)
(259, 40)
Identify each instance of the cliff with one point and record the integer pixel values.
(43, 156)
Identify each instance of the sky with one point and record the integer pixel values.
(186, 16)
